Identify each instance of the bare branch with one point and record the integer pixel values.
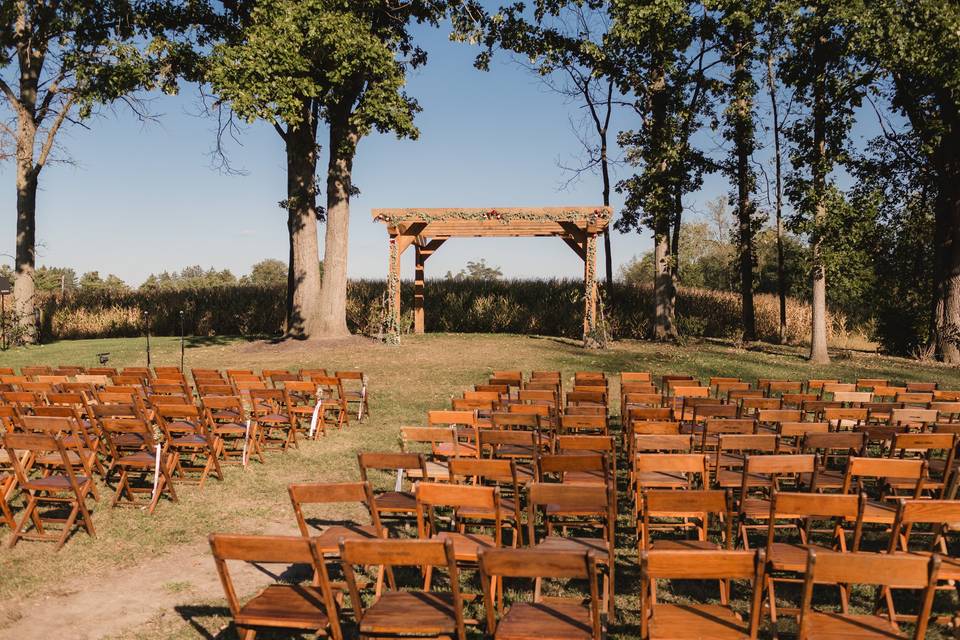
(52, 133)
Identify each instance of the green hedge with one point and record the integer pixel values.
(545, 307)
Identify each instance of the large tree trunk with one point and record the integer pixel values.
(24, 288)
(303, 320)
(664, 327)
(947, 264)
(818, 317)
(333, 296)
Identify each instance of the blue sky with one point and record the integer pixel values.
(141, 199)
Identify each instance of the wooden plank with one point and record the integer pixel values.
(418, 289)
(577, 248)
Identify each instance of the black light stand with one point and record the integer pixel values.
(181, 340)
(146, 317)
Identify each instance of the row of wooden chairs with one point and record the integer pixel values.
(55, 443)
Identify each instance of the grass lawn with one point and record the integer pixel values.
(405, 382)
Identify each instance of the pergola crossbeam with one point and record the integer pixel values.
(428, 229)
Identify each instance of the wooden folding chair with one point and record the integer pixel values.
(502, 474)
(190, 440)
(545, 617)
(79, 445)
(396, 613)
(468, 536)
(760, 477)
(397, 503)
(833, 450)
(280, 605)
(59, 487)
(938, 518)
(333, 402)
(798, 512)
(732, 452)
(872, 475)
(148, 470)
(355, 391)
(720, 622)
(577, 506)
(901, 571)
(333, 530)
(270, 410)
(938, 449)
(228, 418)
(685, 512)
(442, 441)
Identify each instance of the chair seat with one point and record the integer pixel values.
(127, 440)
(396, 502)
(786, 556)
(190, 441)
(597, 547)
(138, 459)
(755, 508)
(274, 418)
(435, 471)
(696, 622)
(728, 479)
(446, 449)
(329, 540)
(410, 612)
(225, 415)
(585, 477)
(546, 621)
(515, 451)
(662, 479)
(836, 626)
(230, 429)
(880, 512)
(73, 457)
(466, 546)
(53, 483)
(826, 479)
(285, 606)
(690, 545)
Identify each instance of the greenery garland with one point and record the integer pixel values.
(570, 215)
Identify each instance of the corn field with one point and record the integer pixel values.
(543, 307)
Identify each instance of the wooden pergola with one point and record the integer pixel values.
(427, 229)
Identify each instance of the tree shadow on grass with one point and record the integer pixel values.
(194, 342)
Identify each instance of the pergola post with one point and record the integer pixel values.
(590, 292)
(418, 282)
(393, 291)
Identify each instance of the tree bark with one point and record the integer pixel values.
(947, 256)
(664, 327)
(743, 140)
(333, 295)
(605, 172)
(818, 319)
(303, 291)
(24, 287)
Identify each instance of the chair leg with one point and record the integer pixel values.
(68, 525)
(28, 515)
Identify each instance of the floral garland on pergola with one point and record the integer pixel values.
(570, 215)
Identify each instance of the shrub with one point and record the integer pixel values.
(545, 307)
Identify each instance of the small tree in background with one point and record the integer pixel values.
(58, 62)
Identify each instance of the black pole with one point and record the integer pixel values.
(147, 322)
(181, 340)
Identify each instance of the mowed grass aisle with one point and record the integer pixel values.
(405, 382)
